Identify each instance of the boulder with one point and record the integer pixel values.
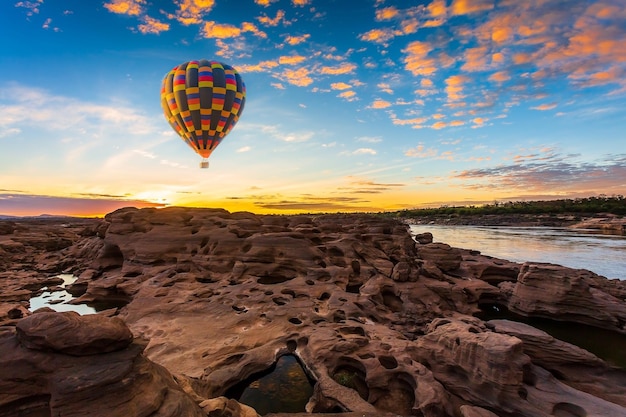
(565, 294)
(110, 382)
(73, 334)
(443, 255)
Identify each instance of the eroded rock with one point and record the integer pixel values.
(72, 333)
(118, 382)
(382, 323)
(551, 291)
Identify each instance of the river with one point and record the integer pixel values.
(574, 248)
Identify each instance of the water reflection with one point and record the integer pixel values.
(573, 248)
(285, 388)
(58, 300)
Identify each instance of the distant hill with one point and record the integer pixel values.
(42, 217)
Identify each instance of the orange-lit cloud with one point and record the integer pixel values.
(220, 31)
(454, 87)
(191, 12)
(433, 23)
(268, 21)
(260, 67)
(614, 74)
(379, 35)
(420, 151)
(387, 13)
(345, 68)
(476, 59)
(417, 121)
(437, 8)
(461, 7)
(478, 120)
(300, 3)
(409, 26)
(153, 26)
(340, 86)
(548, 106)
(295, 40)
(500, 76)
(299, 77)
(417, 60)
(385, 87)
(251, 27)
(129, 7)
(291, 60)
(501, 34)
(265, 3)
(348, 95)
(380, 104)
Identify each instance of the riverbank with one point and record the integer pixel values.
(604, 223)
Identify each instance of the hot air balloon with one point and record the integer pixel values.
(202, 101)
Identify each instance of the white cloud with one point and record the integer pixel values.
(364, 151)
(370, 139)
(35, 107)
(244, 149)
(276, 132)
(75, 130)
(145, 153)
(9, 132)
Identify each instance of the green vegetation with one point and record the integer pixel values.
(580, 206)
(346, 378)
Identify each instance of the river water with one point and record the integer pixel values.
(574, 248)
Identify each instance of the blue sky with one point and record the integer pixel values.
(352, 105)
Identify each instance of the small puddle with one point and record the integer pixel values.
(284, 388)
(58, 300)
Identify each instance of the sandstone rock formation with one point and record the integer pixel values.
(42, 376)
(544, 290)
(380, 322)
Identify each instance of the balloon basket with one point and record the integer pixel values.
(204, 164)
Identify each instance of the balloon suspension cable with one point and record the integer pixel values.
(204, 163)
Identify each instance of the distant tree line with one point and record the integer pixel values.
(580, 206)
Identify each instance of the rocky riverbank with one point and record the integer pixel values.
(600, 223)
(198, 300)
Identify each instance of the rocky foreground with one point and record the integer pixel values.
(197, 300)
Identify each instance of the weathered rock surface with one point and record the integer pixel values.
(570, 364)
(73, 334)
(382, 323)
(39, 379)
(551, 291)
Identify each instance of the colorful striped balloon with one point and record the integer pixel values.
(202, 101)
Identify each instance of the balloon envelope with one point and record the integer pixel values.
(202, 101)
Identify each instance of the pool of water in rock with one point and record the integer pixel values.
(284, 388)
(605, 344)
(59, 300)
